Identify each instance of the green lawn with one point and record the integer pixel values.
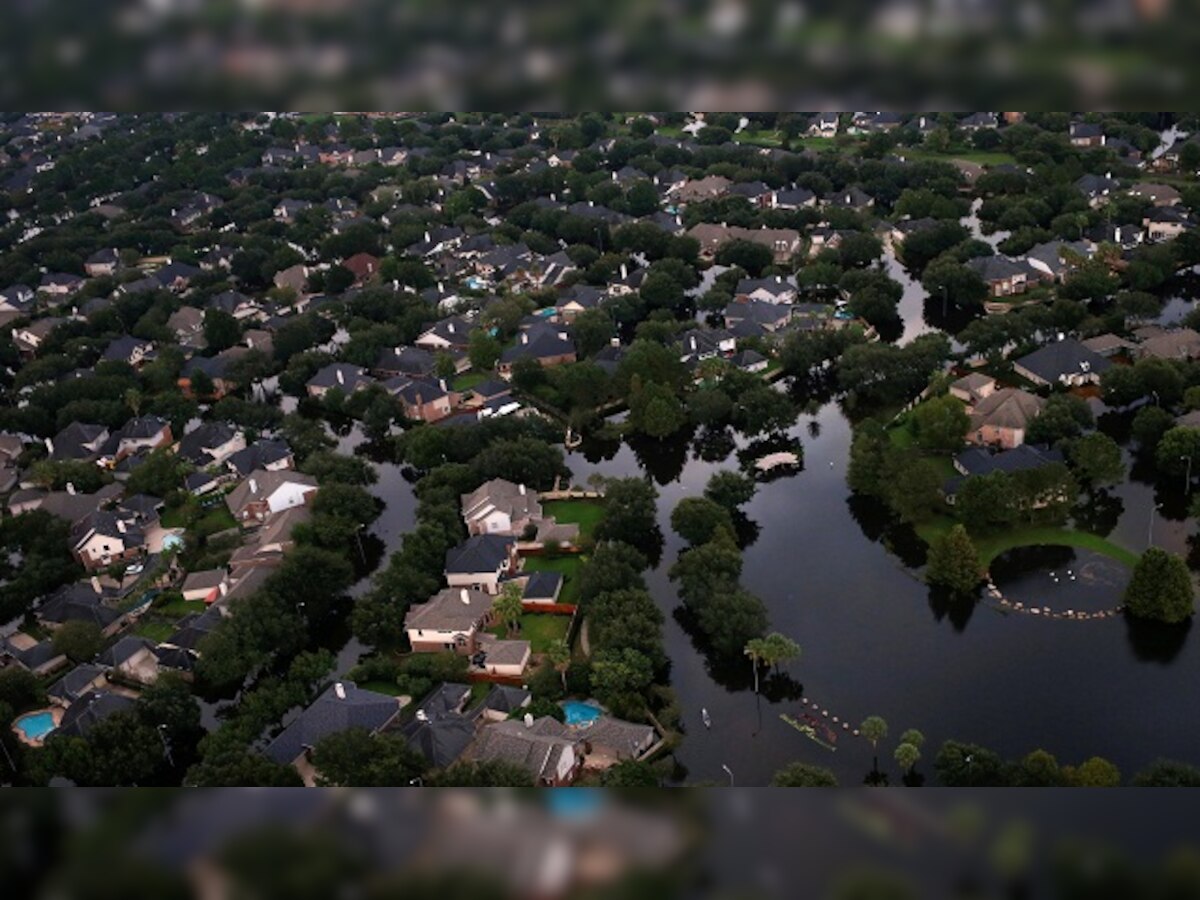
(155, 629)
(468, 380)
(993, 545)
(179, 607)
(382, 687)
(982, 157)
(539, 629)
(219, 518)
(584, 513)
(567, 566)
(176, 517)
(211, 520)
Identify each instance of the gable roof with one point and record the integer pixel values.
(515, 500)
(262, 483)
(1062, 358)
(343, 706)
(1007, 408)
(480, 553)
(450, 609)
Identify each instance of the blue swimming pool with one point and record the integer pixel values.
(36, 725)
(581, 713)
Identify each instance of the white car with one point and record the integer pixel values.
(135, 569)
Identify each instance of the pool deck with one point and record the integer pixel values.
(56, 714)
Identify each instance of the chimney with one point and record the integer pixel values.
(624, 271)
(450, 327)
(224, 588)
(95, 584)
(441, 288)
(341, 377)
(679, 220)
(528, 720)
(614, 342)
(553, 198)
(524, 338)
(71, 488)
(465, 596)
(591, 203)
(49, 446)
(422, 716)
(340, 690)
(253, 485)
(121, 525)
(521, 489)
(427, 237)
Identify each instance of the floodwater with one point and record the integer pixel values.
(876, 642)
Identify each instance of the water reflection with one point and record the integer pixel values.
(1155, 642)
(946, 605)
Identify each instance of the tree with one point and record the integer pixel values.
(730, 618)
(730, 489)
(800, 774)
(1167, 773)
(1160, 589)
(756, 649)
(962, 286)
(592, 331)
(655, 410)
(1149, 425)
(559, 656)
(940, 424)
(621, 676)
(630, 513)
(168, 704)
(355, 758)
(969, 765)
(954, 562)
(907, 756)
(874, 729)
(78, 640)
(629, 773)
(1063, 416)
(748, 255)
(1094, 772)
(912, 486)
(1040, 769)
(696, 519)
(159, 474)
(779, 649)
(1097, 459)
(488, 773)
(507, 606)
(221, 330)
(1178, 452)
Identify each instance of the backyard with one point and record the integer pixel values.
(584, 513)
(539, 629)
(567, 566)
(467, 380)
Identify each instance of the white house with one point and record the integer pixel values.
(267, 493)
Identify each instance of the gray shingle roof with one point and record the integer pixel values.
(332, 713)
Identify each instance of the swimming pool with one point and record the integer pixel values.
(36, 725)
(581, 713)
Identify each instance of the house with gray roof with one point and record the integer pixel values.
(341, 707)
(76, 683)
(500, 507)
(89, 710)
(481, 562)
(450, 620)
(1066, 362)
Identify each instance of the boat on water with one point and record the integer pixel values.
(705, 717)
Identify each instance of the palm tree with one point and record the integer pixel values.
(756, 649)
(133, 399)
(874, 729)
(779, 649)
(914, 737)
(507, 606)
(907, 756)
(559, 654)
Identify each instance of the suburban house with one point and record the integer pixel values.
(76, 683)
(1001, 418)
(341, 707)
(1066, 362)
(970, 389)
(103, 262)
(29, 338)
(542, 747)
(1165, 223)
(37, 657)
(363, 266)
(187, 325)
(979, 461)
(442, 727)
(449, 620)
(267, 546)
(758, 316)
(824, 125)
(207, 585)
(1086, 134)
(708, 188)
(1003, 276)
(775, 289)
(1178, 343)
(1097, 188)
(481, 562)
(266, 493)
(500, 507)
(1158, 194)
(78, 441)
(103, 538)
(784, 243)
(140, 433)
(211, 443)
(1108, 345)
(131, 658)
(423, 399)
(344, 377)
(81, 601)
(1054, 260)
(452, 333)
(91, 709)
(545, 346)
(272, 455)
